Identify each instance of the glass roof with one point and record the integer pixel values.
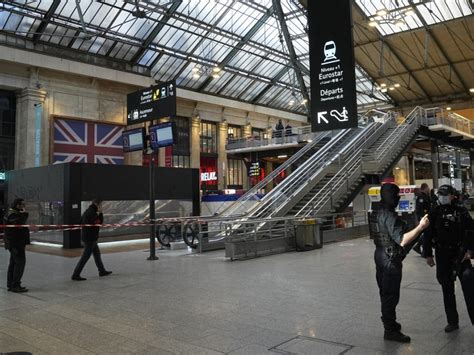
(394, 16)
(171, 39)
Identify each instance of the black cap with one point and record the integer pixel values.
(445, 190)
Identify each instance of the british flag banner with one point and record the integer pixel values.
(86, 142)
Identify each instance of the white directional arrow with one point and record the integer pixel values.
(322, 117)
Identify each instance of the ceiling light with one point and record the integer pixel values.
(392, 88)
(282, 156)
(384, 90)
(400, 23)
(304, 101)
(216, 76)
(397, 85)
(196, 76)
(410, 12)
(195, 70)
(397, 168)
(383, 85)
(471, 90)
(448, 108)
(373, 23)
(378, 18)
(382, 12)
(216, 70)
(292, 102)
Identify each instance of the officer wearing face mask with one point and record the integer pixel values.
(391, 239)
(452, 235)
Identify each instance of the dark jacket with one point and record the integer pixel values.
(90, 216)
(16, 237)
(423, 204)
(450, 226)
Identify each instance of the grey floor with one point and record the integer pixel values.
(319, 302)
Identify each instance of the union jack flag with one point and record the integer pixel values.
(87, 142)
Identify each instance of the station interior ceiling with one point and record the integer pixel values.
(408, 52)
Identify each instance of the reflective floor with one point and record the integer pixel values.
(318, 302)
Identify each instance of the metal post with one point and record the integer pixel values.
(152, 208)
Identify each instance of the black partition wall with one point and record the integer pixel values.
(72, 183)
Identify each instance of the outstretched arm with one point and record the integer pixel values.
(410, 236)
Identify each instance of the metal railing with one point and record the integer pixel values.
(239, 207)
(285, 136)
(440, 116)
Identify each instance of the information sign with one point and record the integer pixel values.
(333, 93)
(149, 104)
(133, 140)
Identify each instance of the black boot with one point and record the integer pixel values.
(451, 328)
(396, 335)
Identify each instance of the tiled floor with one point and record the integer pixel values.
(319, 302)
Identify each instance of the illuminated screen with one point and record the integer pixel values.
(404, 205)
(133, 140)
(162, 135)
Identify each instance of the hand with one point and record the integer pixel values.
(424, 222)
(430, 261)
(467, 256)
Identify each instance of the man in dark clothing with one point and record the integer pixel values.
(90, 236)
(422, 207)
(288, 129)
(16, 239)
(452, 235)
(279, 129)
(391, 237)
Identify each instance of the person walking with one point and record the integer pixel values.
(390, 236)
(452, 235)
(90, 236)
(16, 239)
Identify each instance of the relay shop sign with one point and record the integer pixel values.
(333, 93)
(152, 103)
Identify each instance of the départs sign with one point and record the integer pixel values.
(333, 92)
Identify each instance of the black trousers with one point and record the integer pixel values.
(16, 266)
(445, 267)
(389, 278)
(90, 248)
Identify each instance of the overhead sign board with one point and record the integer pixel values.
(333, 92)
(152, 103)
(254, 169)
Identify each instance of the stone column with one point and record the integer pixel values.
(471, 159)
(29, 100)
(245, 175)
(411, 170)
(268, 171)
(195, 146)
(222, 178)
(434, 164)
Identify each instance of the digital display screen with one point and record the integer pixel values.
(404, 205)
(133, 140)
(162, 135)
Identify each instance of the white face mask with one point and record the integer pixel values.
(444, 200)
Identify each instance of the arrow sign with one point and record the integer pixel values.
(322, 117)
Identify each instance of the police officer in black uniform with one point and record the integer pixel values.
(422, 207)
(452, 235)
(391, 238)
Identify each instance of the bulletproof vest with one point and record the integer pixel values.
(378, 231)
(448, 225)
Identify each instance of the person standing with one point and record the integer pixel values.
(279, 129)
(90, 236)
(16, 239)
(422, 207)
(452, 236)
(390, 237)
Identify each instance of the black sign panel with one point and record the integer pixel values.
(152, 103)
(333, 92)
(254, 169)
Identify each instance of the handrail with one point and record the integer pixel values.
(251, 193)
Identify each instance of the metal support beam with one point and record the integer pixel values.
(42, 26)
(395, 54)
(277, 77)
(155, 31)
(261, 21)
(291, 51)
(438, 44)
